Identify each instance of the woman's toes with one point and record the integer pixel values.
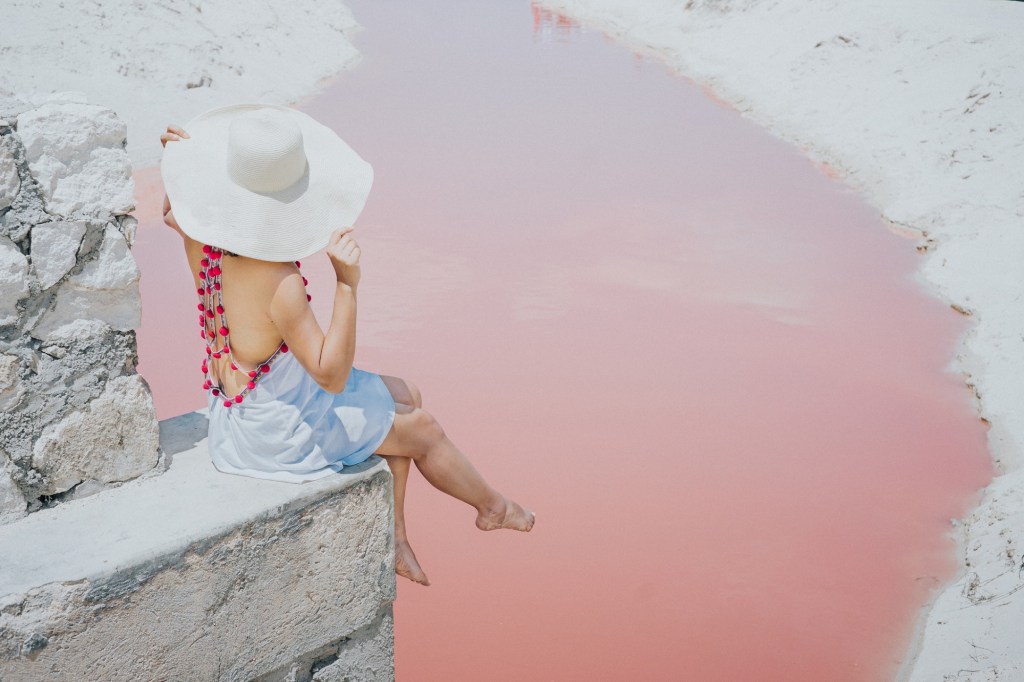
(508, 514)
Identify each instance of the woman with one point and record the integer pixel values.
(255, 188)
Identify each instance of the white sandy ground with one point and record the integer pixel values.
(156, 62)
(919, 104)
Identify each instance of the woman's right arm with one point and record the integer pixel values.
(327, 357)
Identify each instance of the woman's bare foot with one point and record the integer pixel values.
(508, 514)
(406, 564)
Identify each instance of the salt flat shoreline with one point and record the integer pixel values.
(164, 62)
(915, 105)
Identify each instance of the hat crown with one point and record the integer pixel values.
(265, 150)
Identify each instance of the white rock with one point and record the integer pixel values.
(115, 439)
(54, 247)
(12, 502)
(129, 227)
(10, 183)
(76, 153)
(13, 280)
(11, 388)
(107, 290)
(78, 331)
(114, 266)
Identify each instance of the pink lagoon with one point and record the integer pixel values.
(705, 364)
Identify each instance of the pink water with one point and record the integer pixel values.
(701, 361)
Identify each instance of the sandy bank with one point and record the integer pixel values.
(156, 63)
(916, 104)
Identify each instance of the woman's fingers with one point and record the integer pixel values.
(173, 133)
(337, 235)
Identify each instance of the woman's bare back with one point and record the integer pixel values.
(248, 286)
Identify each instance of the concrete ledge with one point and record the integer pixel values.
(200, 575)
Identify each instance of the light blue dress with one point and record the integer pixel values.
(283, 426)
(290, 429)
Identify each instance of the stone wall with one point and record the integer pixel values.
(75, 417)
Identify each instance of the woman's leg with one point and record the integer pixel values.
(417, 435)
(405, 394)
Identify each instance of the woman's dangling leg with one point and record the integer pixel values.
(405, 560)
(406, 565)
(417, 435)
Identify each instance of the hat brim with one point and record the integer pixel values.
(275, 226)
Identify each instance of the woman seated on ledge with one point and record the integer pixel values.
(255, 189)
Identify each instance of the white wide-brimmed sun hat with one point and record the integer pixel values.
(263, 181)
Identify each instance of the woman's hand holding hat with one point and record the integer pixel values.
(344, 254)
(173, 133)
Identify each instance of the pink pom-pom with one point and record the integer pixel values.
(215, 270)
(284, 347)
(252, 373)
(201, 291)
(205, 262)
(305, 281)
(202, 274)
(265, 368)
(209, 313)
(298, 264)
(216, 391)
(220, 309)
(201, 307)
(207, 248)
(251, 385)
(308, 297)
(216, 285)
(216, 354)
(223, 331)
(215, 255)
(234, 366)
(208, 350)
(238, 398)
(227, 403)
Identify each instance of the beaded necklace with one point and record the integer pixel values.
(211, 305)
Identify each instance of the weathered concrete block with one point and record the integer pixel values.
(363, 656)
(54, 249)
(199, 575)
(115, 439)
(76, 153)
(13, 280)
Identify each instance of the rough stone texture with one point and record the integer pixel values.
(361, 656)
(54, 249)
(13, 281)
(10, 182)
(194, 574)
(115, 439)
(106, 289)
(76, 153)
(69, 302)
(12, 502)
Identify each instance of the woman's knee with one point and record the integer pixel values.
(428, 430)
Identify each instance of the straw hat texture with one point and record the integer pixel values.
(263, 181)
